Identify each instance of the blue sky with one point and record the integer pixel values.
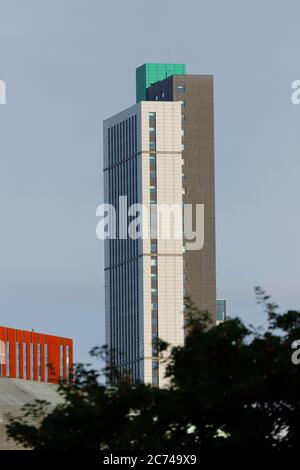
(70, 64)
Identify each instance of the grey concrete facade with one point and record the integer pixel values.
(14, 394)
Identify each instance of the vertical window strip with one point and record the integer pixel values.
(68, 363)
(61, 361)
(31, 362)
(46, 363)
(17, 360)
(39, 365)
(7, 357)
(24, 361)
(153, 244)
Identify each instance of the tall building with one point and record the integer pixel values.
(158, 152)
(33, 356)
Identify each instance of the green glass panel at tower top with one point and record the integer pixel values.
(147, 74)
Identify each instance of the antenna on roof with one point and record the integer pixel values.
(168, 63)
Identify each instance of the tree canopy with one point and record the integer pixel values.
(231, 386)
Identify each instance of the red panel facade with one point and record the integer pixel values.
(34, 356)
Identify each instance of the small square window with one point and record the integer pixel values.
(183, 117)
(183, 132)
(152, 145)
(162, 94)
(181, 88)
(182, 102)
(153, 261)
(152, 130)
(152, 115)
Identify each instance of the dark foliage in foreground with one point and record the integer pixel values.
(231, 387)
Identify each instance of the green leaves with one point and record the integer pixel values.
(231, 387)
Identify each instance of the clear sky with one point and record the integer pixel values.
(69, 64)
